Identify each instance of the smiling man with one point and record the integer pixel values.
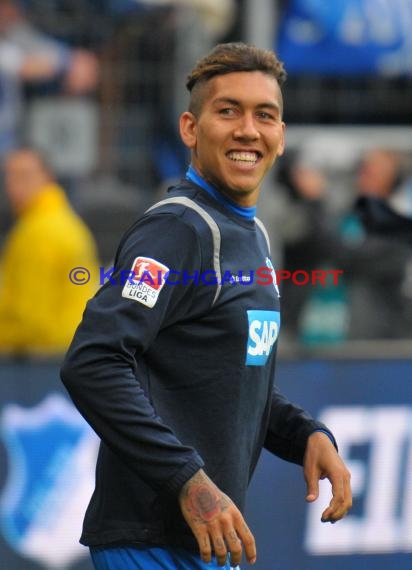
(235, 130)
(178, 378)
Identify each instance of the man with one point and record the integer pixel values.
(372, 264)
(39, 306)
(174, 369)
(386, 211)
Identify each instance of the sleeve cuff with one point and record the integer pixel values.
(329, 434)
(174, 485)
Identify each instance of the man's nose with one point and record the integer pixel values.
(246, 128)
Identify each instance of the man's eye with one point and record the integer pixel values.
(265, 116)
(226, 111)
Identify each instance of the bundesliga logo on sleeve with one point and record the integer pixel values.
(147, 278)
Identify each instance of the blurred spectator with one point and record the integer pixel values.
(372, 297)
(380, 218)
(102, 194)
(216, 15)
(29, 57)
(39, 305)
(312, 314)
(379, 173)
(376, 269)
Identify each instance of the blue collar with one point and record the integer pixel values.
(247, 213)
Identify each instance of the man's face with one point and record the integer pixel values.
(25, 177)
(238, 133)
(378, 173)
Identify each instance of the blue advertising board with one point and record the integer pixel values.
(368, 405)
(47, 457)
(346, 37)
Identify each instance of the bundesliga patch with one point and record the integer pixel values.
(145, 282)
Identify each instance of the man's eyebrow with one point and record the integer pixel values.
(226, 100)
(269, 105)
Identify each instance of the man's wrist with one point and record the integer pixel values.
(328, 433)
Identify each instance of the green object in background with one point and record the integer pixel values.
(325, 318)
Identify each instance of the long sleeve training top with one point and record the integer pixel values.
(175, 369)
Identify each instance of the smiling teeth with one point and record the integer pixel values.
(243, 156)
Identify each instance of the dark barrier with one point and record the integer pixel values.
(47, 456)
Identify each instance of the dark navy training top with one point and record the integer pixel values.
(174, 369)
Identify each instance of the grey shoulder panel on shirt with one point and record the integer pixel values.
(262, 228)
(214, 229)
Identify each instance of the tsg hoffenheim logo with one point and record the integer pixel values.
(51, 457)
(263, 333)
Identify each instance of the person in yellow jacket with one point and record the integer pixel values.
(40, 306)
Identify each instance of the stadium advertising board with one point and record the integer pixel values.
(47, 456)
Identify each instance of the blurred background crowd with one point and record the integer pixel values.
(97, 86)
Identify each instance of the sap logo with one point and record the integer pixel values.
(51, 457)
(376, 445)
(263, 332)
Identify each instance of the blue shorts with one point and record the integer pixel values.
(151, 559)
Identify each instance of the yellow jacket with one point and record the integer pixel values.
(39, 306)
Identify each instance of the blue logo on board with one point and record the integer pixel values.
(263, 332)
(51, 452)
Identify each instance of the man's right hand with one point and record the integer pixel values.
(216, 522)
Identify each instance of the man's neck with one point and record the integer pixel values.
(246, 212)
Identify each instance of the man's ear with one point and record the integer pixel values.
(188, 129)
(281, 147)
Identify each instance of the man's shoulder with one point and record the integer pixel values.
(181, 193)
(183, 206)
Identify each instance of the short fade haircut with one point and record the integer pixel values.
(230, 58)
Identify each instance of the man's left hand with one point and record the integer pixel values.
(322, 461)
